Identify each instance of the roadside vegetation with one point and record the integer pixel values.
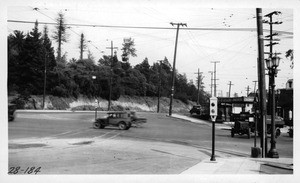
(32, 55)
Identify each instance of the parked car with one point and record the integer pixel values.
(11, 111)
(196, 109)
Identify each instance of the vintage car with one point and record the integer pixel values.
(245, 124)
(196, 109)
(121, 119)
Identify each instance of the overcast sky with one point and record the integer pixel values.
(236, 50)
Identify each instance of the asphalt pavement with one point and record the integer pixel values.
(195, 160)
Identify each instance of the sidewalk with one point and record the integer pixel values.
(237, 165)
(242, 166)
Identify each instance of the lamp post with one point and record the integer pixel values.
(96, 101)
(272, 65)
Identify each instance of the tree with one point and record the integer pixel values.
(49, 60)
(15, 43)
(144, 68)
(49, 51)
(128, 49)
(60, 34)
(32, 63)
(82, 45)
(290, 54)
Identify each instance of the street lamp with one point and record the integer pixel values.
(96, 100)
(272, 65)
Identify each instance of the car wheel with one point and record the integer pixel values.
(11, 118)
(232, 133)
(122, 126)
(277, 133)
(290, 132)
(96, 125)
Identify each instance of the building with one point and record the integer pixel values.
(229, 106)
(284, 102)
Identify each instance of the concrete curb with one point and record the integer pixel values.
(226, 126)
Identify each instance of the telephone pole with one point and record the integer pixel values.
(229, 88)
(254, 91)
(159, 87)
(110, 77)
(211, 82)
(173, 72)
(45, 78)
(273, 152)
(261, 79)
(247, 89)
(215, 77)
(199, 83)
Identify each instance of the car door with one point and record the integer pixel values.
(113, 119)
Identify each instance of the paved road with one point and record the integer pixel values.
(67, 143)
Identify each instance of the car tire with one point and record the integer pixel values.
(96, 125)
(232, 133)
(277, 132)
(122, 126)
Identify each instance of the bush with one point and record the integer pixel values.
(60, 91)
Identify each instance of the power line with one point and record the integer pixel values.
(159, 28)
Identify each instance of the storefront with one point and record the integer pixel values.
(234, 105)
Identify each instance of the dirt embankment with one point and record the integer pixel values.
(135, 103)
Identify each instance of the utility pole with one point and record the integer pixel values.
(254, 91)
(273, 152)
(229, 88)
(261, 79)
(174, 62)
(45, 78)
(211, 82)
(159, 87)
(110, 77)
(247, 89)
(199, 83)
(270, 53)
(215, 78)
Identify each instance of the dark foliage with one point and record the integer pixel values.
(28, 54)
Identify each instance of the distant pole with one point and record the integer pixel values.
(215, 77)
(199, 83)
(254, 91)
(174, 62)
(159, 87)
(211, 83)
(247, 89)
(45, 79)
(229, 88)
(110, 77)
(261, 79)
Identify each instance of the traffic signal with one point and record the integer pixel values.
(213, 107)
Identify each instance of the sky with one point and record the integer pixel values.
(236, 50)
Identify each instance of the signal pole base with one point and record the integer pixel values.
(212, 158)
(273, 153)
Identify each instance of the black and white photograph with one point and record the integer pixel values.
(149, 91)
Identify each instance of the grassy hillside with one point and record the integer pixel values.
(135, 103)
